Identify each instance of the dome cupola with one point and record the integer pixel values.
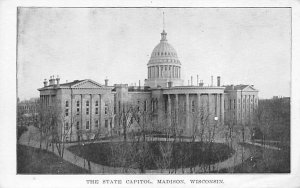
(164, 65)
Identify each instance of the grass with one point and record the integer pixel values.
(20, 131)
(182, 154)
(264, 160)
(35, 161)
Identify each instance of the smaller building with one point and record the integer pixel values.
(83, 108)
(240, 104)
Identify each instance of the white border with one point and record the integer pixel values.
(8, 177)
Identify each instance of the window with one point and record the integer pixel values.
(119, 106)
(106, 123)
(67, 126)
(87, 103)
(67, 103)
(106, 109)
(87, 111)
(193, 106)
(96, 123)
(145, 106)
(96, 103)
(78, 111)
(67, 112)
(87, 125)
(78, 103)
(77, 125)
(96, 111)
(233, 103)
(138, 106)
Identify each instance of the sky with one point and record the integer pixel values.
(242, 45)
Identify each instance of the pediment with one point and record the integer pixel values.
(249, 88)
(88, 84)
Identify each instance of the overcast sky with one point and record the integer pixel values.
(242, 45)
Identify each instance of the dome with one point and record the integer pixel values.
(164, 52)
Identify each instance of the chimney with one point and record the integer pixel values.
(51, 81)
(45, 82)
(191, 80)
(106, 82)
(201, 83)
(219, 81)
(212, 80)
(57, 81)
(170, 84)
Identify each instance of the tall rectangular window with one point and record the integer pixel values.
(78, 103)
(67, 126)
(67, 112)
(67, 103)
(233, 103)
(193, 106)
(96, 123)
(145, 106)
(106, 123)
(87, 103)
(106, 109)
(77, 125)
(87, 111)
(96, 103)
(77, 111)
(96, 111)
(87, 125)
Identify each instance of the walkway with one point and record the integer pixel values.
(31, 138)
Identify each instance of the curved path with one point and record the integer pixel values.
(31, 138)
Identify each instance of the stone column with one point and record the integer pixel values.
(99, 111)
(199, 108)
(218, 108)
(176, 109)
(81, 118)
(187, 113)
(169, 111)
(91, 112)
(208, 107)
(222, 108)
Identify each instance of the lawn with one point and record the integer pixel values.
(35, 161)
(153, 155)
(264, 160)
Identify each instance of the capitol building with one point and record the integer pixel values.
(88, 108)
